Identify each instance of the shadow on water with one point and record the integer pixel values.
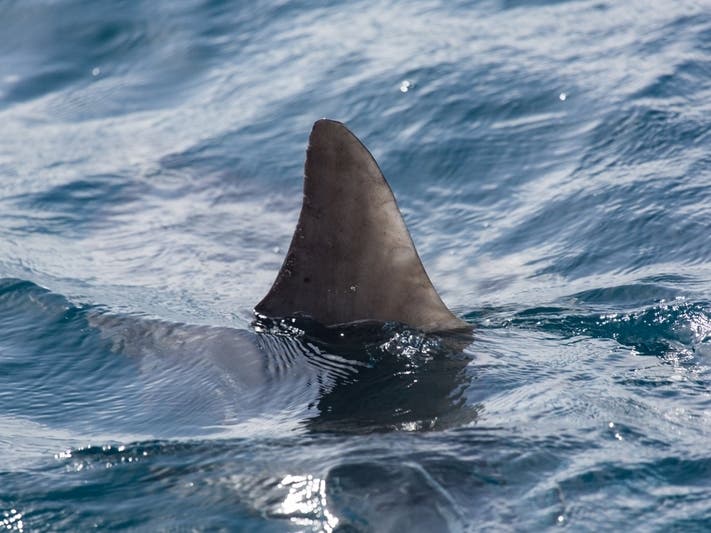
(398, 379)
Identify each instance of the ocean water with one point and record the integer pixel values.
(552, 160)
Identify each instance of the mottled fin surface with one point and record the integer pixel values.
(351, 257)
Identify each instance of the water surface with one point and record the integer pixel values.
(551, 159)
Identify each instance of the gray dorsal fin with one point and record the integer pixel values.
(351, 257)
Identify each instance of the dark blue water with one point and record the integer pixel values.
(553, 162)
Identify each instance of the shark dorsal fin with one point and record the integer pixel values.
(351, 257)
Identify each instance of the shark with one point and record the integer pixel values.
(352, 329)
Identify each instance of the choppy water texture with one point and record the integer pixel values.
(552, 160)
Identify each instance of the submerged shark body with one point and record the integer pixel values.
(352, 309)
(356, 378)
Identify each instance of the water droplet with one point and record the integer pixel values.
(95, 71)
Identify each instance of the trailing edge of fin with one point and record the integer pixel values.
(351, 257)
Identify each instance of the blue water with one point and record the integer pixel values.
(552, 161)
